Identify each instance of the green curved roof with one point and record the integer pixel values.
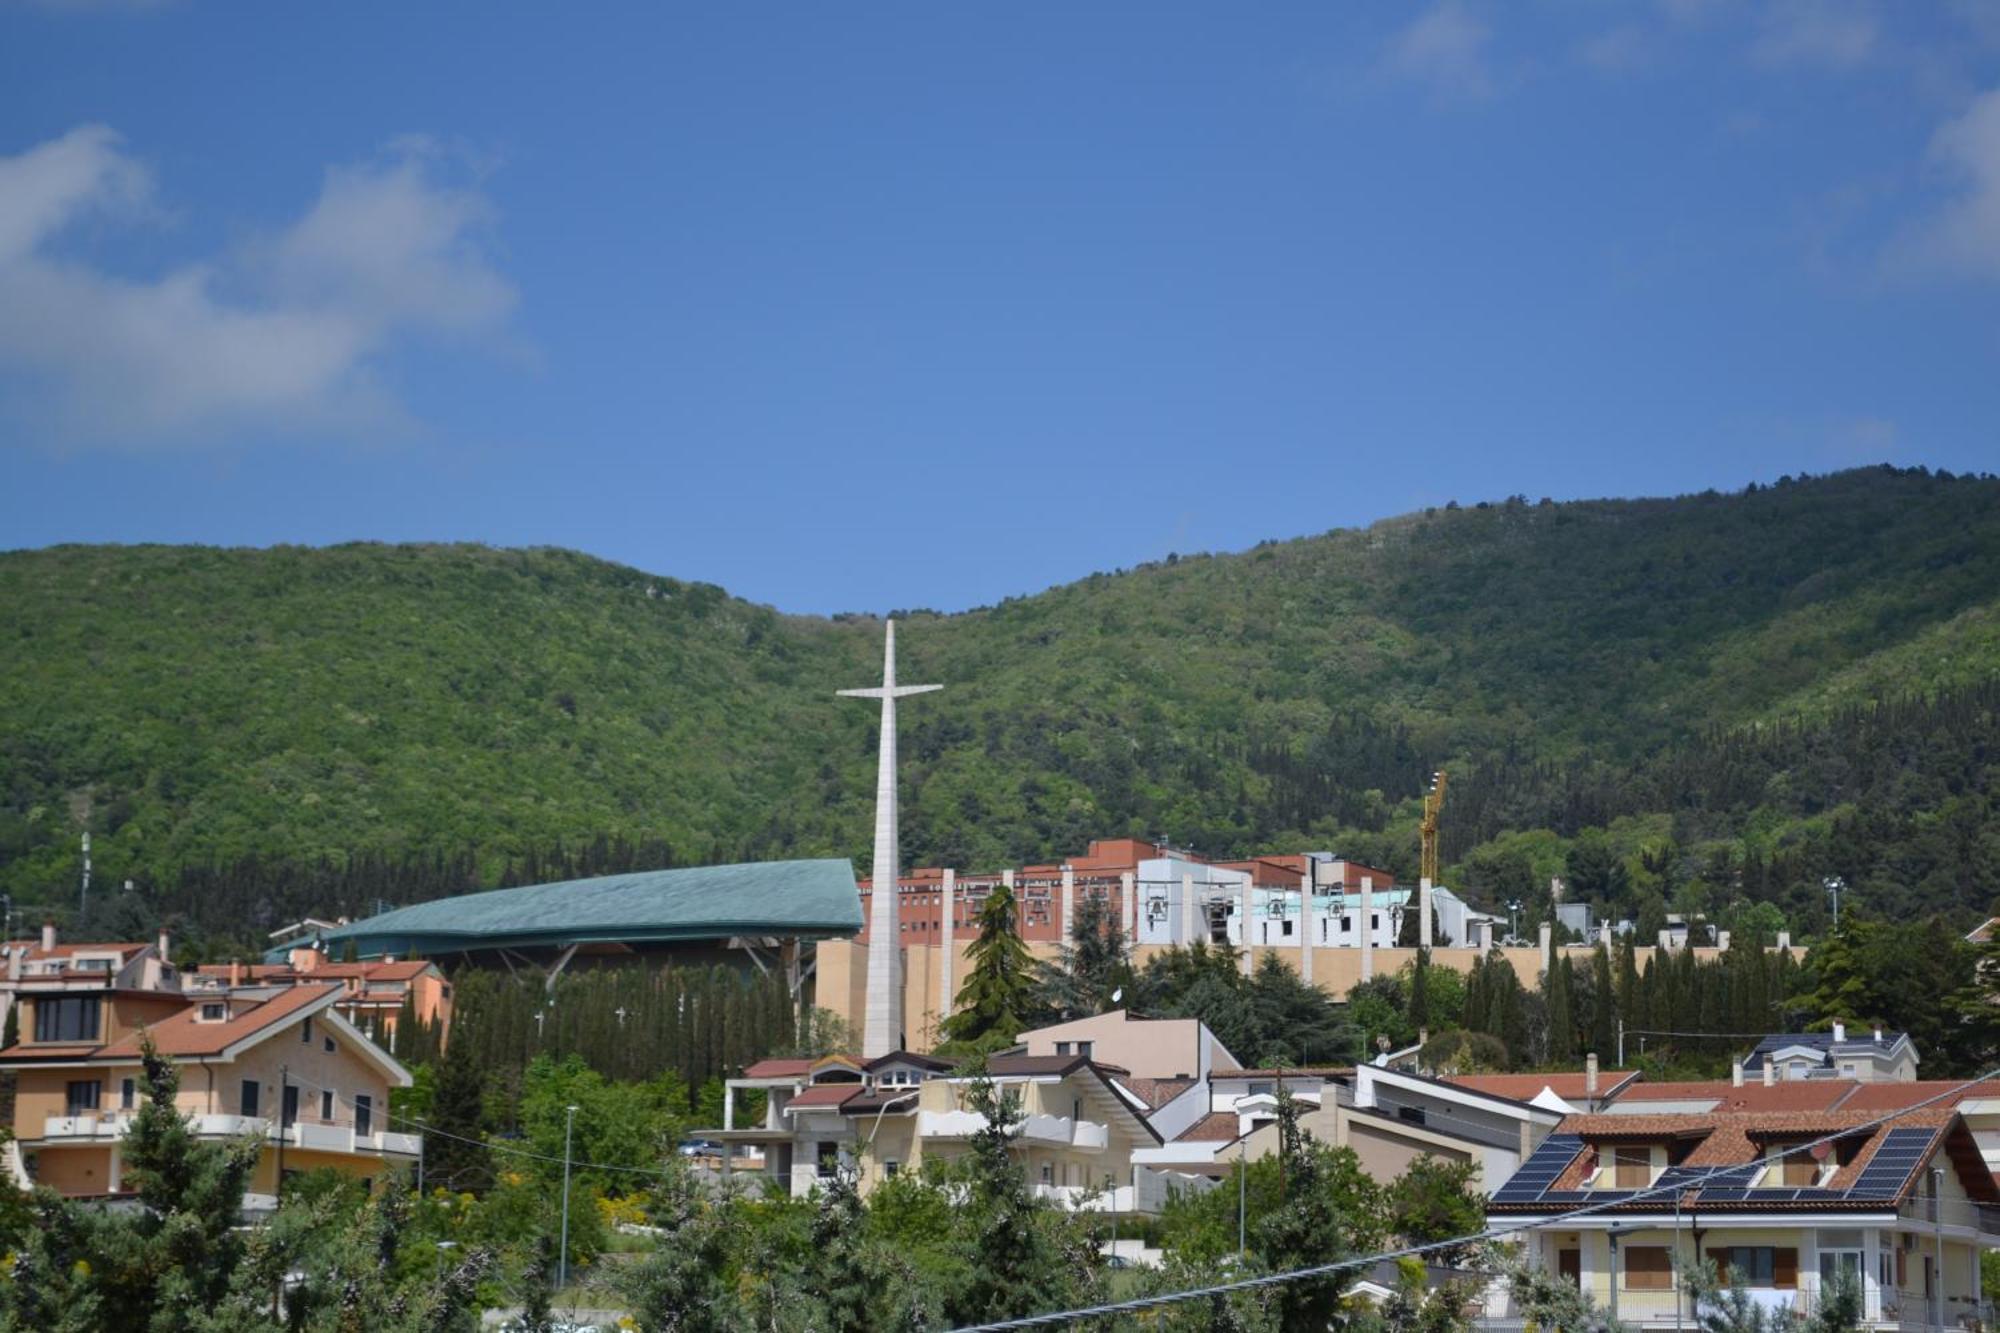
(810, 898)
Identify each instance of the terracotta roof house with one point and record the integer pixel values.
(1783, 1199)
(279, 1063)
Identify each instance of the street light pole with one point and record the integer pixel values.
(1834, 884)
(562, 1255)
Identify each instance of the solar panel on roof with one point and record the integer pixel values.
(1548, 1161)
(1901, 1153)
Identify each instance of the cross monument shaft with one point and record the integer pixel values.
(882, 1019)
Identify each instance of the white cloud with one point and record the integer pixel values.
(1963, 236)
(290, 335)
(1821, 34)
(1445, 48)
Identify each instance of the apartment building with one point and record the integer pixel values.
(372, 994)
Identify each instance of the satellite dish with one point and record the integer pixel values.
(1117, 995)
(1820, 1150)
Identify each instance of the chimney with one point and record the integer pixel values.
(1590, 1075)
(1839, 1031)
(14, 953)
(1736, 1074)
(1770, 1072)
(166, 946)
(1878, 1036)
(48, 937)
(235, 975)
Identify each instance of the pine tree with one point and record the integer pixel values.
(1094, 964)
(997, 1001)
(1842, 993)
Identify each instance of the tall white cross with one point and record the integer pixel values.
(882, 1022)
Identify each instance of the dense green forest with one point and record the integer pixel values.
(1680, 703)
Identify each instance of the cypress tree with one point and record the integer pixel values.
(1603, 1006)
(1560, 987)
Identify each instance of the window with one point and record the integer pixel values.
(290, 1113)
(1648, 1268)
(364, 1115)
(1839, 1252)
(1085, 1048)
(1288, 926)
(1413, 1114)
(214, 1013)
(1632, 1168)
(326, 1105)
(247, 1103)
(306, 1031)
(1062, 1048)
(66, 1018)
(1262, 1089)
(1048, 1173)
(81, 1098)
(128, 1094)
(330, 1047)
(1753, 1265)
(829, 1159)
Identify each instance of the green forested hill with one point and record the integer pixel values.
(1743, 692)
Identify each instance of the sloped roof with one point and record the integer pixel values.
(1785, 1095)
(823, 1095)
(809, 898)
(780, 1068)
(1526, 1087)
(1215, 1127)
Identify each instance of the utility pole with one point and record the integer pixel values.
(1621, 1043)
(562, 1255)
(1937, 1222)
(420, 1157)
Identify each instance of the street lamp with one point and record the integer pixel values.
(1513, 921)
(562, 1255)
(1834, 886)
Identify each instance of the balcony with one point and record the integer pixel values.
(310, 1135)
(1058, 1130)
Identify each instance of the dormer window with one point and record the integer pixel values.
(214, 1011)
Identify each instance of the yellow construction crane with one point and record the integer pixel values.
(1433, 802)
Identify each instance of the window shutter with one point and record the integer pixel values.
(1720, 1258)
(1785, 1269)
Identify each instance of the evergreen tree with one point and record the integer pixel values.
(1842, 992)
(997, 1002)
(685, 1284)
(1420, 991)
(1603, 1006)
(1093, 965)
(1560, 986)
(455, 1152)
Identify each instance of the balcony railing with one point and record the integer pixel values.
(340, 1137)
(1088, 1135)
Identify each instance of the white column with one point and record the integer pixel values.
(728, 1106)
(1367, 934)
(1307, 921)
(1187, 910)
(1548, 947)
(1247, 928)
(1068, 902)
(1128, 906)
(1424, 913)
(948, 954)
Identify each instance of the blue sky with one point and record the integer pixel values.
(873, 306)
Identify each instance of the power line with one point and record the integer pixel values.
(1412, 1251)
